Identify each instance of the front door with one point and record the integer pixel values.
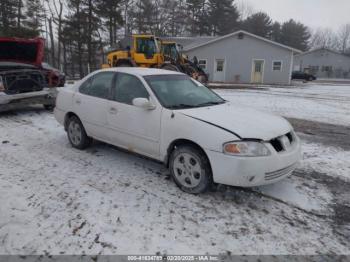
(219, 70)
(258, 71)
(133, 128)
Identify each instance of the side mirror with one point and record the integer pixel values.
(143, 103)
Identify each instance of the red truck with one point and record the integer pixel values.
(23, 80)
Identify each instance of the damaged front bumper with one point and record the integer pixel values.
(46, 97)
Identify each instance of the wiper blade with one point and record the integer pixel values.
(181, 106)
(210, 104)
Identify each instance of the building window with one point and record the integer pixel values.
(220, 65)
(327, 68)
(277, 66)
(314, 68)
(202, 63)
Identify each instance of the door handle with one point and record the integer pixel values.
(78, 101)
(113, 110)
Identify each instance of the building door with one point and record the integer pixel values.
(219, 70)
(258, 71)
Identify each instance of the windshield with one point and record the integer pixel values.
(180, 91)
(170, 51)
(146, 46)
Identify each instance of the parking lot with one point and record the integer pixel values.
(107, 201)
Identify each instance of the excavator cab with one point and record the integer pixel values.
(170, 52)
(175, 60)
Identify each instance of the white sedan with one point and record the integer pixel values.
(169, 117)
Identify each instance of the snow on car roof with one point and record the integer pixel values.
(141, 71)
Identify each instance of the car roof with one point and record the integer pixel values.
(142, 71)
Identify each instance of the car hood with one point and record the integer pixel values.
(22, 51)
(242, 121)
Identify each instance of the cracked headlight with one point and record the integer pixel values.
(246, 148)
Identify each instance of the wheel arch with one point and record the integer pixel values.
(181, 142)
(67, 117)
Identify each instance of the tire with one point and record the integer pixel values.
(76, 134)
(311, 78)
(124, 64)
(170, 67)
(203, 79)
(190, 169)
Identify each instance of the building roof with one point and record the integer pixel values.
(323, 49)
(187, 42)
(216, 39)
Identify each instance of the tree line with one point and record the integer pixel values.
(78, 32)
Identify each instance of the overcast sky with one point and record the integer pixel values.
(314, 13)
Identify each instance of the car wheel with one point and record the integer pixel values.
(311, 78)
(76, 133)
(190, 169)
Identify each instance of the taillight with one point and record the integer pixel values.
(2, 87)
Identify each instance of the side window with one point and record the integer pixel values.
(127, 88)
(85, 87)
(98, 85)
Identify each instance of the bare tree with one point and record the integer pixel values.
(57, 19)
(323, 38)
(245, 9)
(52, 41)
(344, 38)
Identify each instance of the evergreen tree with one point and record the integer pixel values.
(8, 15)
(111, 14)
(143, 16)
(222, 17)
(35, 16)
(295, 34)
(259, 24)
(276, 33)
(178, 16)
(197, 17)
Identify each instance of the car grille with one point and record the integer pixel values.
(283, 143)
(280, 173)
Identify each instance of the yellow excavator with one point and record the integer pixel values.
(151, 52)
(174, 57)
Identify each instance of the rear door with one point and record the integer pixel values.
(131, 127)
(91, 103)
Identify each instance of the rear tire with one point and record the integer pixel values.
(190, 169)
(76, 134)
(170, 67)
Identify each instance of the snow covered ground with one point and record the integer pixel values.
(58, 200)
(323, 103)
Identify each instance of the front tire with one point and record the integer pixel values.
(190, 169)
(76, 134)
(170, 67)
